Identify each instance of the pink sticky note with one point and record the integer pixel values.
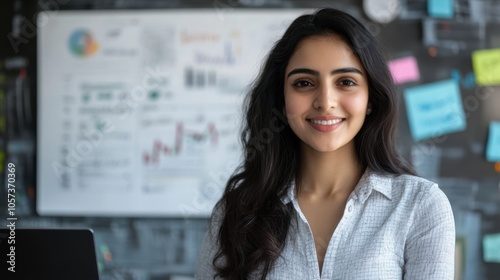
(404, 70)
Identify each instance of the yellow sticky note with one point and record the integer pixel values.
(486, 65)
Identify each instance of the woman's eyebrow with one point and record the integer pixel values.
(316, 73)
(346, 70)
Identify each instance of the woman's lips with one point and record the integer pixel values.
(325, 124)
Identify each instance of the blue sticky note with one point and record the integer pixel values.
(491, 248)
(493, 146)
(440, 8)
(434, 109)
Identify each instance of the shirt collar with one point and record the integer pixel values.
(290, 194)
(370, 181)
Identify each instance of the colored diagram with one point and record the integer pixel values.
(82, 44)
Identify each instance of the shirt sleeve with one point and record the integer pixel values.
(430, 249)
(205, 269)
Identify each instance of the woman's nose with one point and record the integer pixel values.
(326, 98)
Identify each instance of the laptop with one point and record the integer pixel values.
(58, 253)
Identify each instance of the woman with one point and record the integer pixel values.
(326, 196)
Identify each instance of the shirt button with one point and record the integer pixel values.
(350, 208)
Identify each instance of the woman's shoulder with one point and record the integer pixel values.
(408, 187)
(413, 181)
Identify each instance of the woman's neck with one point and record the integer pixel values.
(325, 175)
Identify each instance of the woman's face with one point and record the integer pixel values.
(326, 93)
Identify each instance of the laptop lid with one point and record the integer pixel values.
(63, 253)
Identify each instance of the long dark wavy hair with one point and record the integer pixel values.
(255, 220)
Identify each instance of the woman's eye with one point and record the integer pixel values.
(347, 83)
(302, 83)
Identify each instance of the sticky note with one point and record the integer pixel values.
(404, 70)
(440, 8)
(486, 64)
(434, 109)
(468, 81)
(493, 146)
(459, 257)
(491, 247)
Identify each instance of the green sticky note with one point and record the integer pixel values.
(491, 247)
(486, 65)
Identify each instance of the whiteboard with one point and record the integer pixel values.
(139, 112)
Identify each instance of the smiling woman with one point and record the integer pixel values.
(328, 197)
(326, 93)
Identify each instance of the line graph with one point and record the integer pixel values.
(187, 141)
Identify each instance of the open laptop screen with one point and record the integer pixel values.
(47, 254)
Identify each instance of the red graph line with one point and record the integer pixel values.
(160, 148)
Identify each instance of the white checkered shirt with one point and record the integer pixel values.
(393, 227)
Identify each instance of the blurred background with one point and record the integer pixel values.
(123, 115)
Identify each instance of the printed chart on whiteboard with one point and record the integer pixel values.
(139, 112)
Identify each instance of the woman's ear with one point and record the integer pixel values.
(369, 110)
